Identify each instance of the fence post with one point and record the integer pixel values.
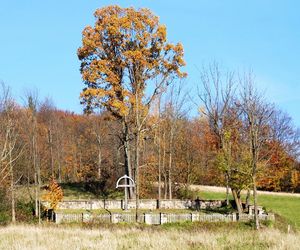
(148, 219)
(57, 218)
(163, 218)
(114, 218)
(234, 216)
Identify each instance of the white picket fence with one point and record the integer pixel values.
(156, 218)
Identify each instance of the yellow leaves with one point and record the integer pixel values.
(54, 194)
(295, 179)
(125, 48)
(135, 56)
(162, 32)
(169, 47)
(112, 30)
(93, 92)
(178, 48)
(120, 107)
(125, 23)
(182, 74)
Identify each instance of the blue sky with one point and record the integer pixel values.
(39, 40)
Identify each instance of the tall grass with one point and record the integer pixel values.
(30, 237)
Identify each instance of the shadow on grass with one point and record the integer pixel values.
(90, 190)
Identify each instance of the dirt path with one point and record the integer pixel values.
(223, 189)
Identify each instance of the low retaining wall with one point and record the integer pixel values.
(143, 204)
(157, 219)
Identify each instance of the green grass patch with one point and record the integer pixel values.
(287, 207)
(83, 191)
(205, 195)
(72, 191)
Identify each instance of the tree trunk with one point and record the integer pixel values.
(170, 177)
(59, 172)
(36, 211)
(39, 190)
(35, 167)
(99, 143)
(137, 153)
(137, 175)
(127, 156)
(12, 186)
(164, 168)
(50, 141)
(165, 186)
(237, 200)
(248, 198)
(255, 203)
(59, 167)
(99, 162)
(254, 140)
(159, 168)
(170, 162)
(227, 189)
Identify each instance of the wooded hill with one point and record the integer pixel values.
(87, 148)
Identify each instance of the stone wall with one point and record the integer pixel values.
(156, 218)
(151, 204)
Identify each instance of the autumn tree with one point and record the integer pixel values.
(31, 110)
(283, 150)
(173, 114)
(124, 53)
(256, 115)
(55, 193)
(217, 95)
(10, 146)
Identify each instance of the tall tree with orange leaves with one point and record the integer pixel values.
(124, 53)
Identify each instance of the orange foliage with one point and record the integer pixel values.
(54, 195)
(124, 49)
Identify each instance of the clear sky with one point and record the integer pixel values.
(39, 40)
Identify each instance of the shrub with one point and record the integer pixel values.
(4, 207)
(185, 193)
(24, 212)
(55, 193)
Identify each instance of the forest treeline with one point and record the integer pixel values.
(39, 140)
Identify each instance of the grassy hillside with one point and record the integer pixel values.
(73, 191)
(286, 206)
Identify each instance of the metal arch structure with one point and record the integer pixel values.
(125, 185)
(131, 183)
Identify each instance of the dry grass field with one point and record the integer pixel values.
(124, 237)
